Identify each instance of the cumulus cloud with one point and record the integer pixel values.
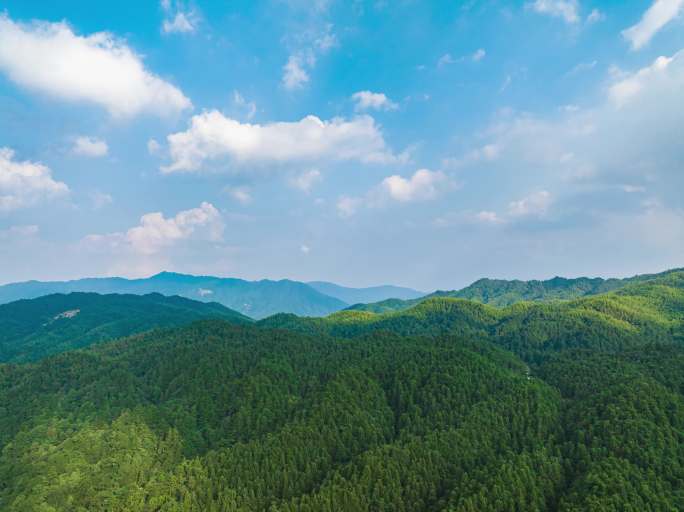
(654, 19)
(581, 159)
(90, 146)
(25, 183)
(423, 185)
(294, 74)
(367, 100)
(156, 232)
(566, 9)
(213, 136)
(306, 180)
(99, 69)
(631, 85)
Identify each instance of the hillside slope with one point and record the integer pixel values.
(216, 417)
(32, 329)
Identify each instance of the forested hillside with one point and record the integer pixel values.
(500, 292)
(32, 329)
(450, 406)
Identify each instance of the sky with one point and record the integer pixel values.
(417, 143)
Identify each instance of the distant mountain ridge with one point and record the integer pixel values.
(34, 328)
(256, 299)
(501, 292)
(370, 294)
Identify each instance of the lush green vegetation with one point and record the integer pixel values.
(452, 405)
(32, 329)
(500, 293)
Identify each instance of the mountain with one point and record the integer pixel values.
(365, 295)
(499, 292)
(452, 405)
(35, 328)
(256, 299)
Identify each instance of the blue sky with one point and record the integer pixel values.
(418, 143)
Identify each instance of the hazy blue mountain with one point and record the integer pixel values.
(256, 299)
(370, 294)
(34, 328)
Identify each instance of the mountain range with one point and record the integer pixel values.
(256, 299)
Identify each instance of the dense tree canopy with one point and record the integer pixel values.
(449, 406)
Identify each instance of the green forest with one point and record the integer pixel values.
(451, 404)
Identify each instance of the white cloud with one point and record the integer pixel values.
(306, 180)
(584, 157)
(90, 146)
(25, 183)
(248, 106)
(178, 20)
(180, 23)
(536, 203)
(294, 74)
(367, 100)
(305, 249)
(566, 9)
(100, 69)
(155, 232)
(447, 59)
(300, 62)
(242, 195)
(422, 186)
(479, 55)
(212, 136)
(630, 86)
(654, 19)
